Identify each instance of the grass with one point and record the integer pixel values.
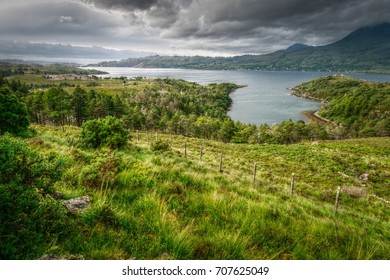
(161, 205)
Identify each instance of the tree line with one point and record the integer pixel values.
(170, 105)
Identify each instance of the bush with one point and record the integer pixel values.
(20, 165)
(160, 145)
(30, 219)
(108, 132)
(101, 171)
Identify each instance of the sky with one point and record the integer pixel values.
(176, 27)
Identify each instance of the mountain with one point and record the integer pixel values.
(365, 49)
(49, 53)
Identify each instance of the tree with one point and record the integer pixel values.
(244, 133)
(108, 132)
(227, 130)
(79, 105)
(13, 113)
(57, 108)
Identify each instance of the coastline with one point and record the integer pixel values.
(311, 115)
(307, 96)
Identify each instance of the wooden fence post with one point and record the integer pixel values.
(254, 172)
(292, 183)
(336, 206)
(220, 163)
(201, 153)
(185, 149)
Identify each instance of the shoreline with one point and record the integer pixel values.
(314, 117)
(307, 96)
(311, 115)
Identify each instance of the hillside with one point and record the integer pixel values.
(362, 107)
(163, 204)
(366, 49)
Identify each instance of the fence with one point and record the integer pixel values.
(199, 150)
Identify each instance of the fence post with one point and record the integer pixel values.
(292, 183)
(254, 172)
(336, 206)
(220, 163)
(201, 153)
(185, 149)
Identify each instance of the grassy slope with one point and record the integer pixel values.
(360, 104)
(162, 205)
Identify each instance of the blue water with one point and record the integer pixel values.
(265, 99)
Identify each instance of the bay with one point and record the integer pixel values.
(265, 99)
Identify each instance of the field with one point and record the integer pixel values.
(161, 204)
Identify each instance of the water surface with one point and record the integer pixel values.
(265, 99)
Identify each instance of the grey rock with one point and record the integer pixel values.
(49, 257)
(78, 204)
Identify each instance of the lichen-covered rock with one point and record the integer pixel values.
(78, 204)
(49, 257)
(363, 177)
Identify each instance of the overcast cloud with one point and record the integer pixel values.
(189, 27)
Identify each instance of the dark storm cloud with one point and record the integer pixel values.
(122, 4)
(270, 23)
(209, 27)
(247, 17)
(154, 13)
(131, 5)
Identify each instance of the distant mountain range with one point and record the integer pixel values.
(366, 49)
(44, 53)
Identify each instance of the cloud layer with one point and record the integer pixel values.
(218, 27)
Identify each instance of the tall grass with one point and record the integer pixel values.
(161, 205)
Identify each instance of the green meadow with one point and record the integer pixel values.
(153, 204)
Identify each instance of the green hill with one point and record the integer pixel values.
(152, 204)
(362, 107)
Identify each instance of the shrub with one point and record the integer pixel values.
(30, 219)
(160, 145)
(108, 132)
(19, 164)
(102, 171)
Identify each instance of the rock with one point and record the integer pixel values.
(363, 177)
(78, 204)
(354, 191)
(49, 257)
(164, 256)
